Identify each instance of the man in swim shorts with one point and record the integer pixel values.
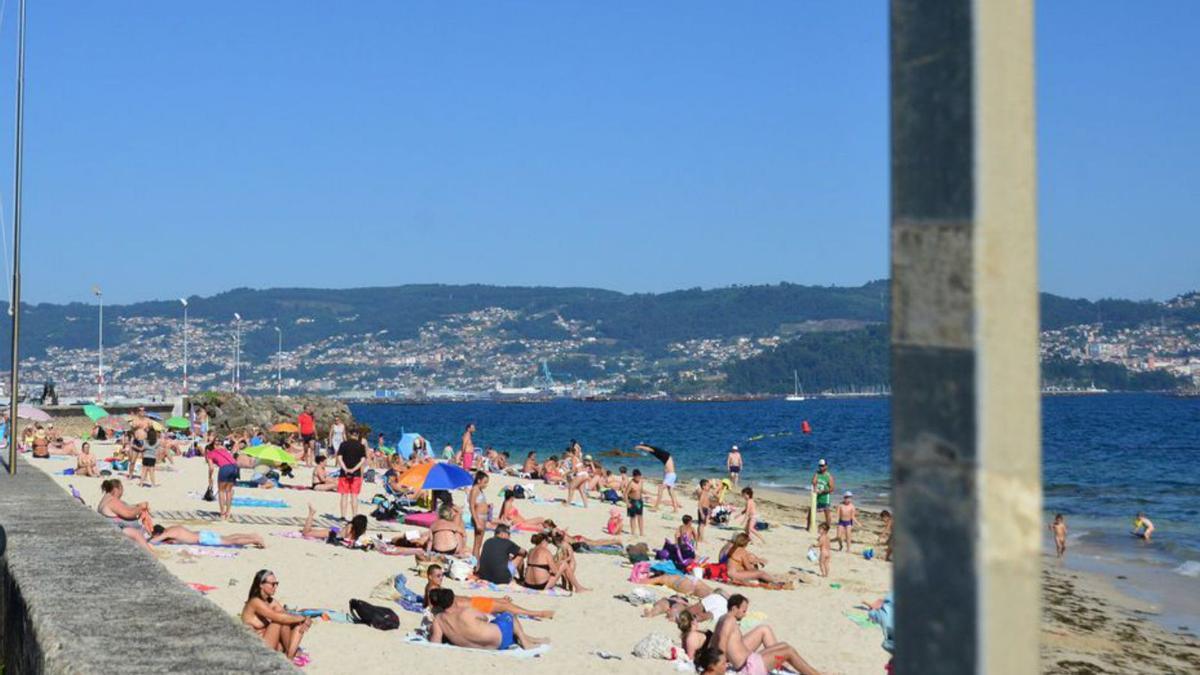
(436, 575)
(757, 652)
(464, 626)
(823, 485)
(178, 534)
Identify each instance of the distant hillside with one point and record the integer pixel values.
(643, 322)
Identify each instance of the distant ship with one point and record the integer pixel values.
(798, 394)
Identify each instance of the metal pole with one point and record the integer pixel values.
(16, 270)
(185, 345)
(279, 363)
(100, 363)
(237, 352)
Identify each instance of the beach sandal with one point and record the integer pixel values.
(301, 659)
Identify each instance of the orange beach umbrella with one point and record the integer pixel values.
(285, 428)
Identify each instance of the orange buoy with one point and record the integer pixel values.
(805, 428)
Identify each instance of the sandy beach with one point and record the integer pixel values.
(315, 575)
(1089, 627)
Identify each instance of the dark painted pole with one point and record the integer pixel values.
(965, 399)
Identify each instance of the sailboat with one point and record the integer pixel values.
(798, 394)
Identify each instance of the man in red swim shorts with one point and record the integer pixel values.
(351, 456)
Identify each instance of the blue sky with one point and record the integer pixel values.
(176, 149)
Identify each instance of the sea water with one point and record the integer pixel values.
(1105, 457)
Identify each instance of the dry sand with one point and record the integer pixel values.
(1089, 627)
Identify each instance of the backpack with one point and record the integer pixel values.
(374, 615)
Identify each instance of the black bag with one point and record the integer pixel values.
(374, 615)
(518, 492)
(209, 496)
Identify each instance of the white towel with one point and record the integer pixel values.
(515, 652)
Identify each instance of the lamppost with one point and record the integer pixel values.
(237, 353)
(185, 345)
(279, 363)
(100, 359)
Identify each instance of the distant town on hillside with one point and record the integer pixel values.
(421, 342)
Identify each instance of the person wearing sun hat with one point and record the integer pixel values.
(823, 485)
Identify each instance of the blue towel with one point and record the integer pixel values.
(262, 503)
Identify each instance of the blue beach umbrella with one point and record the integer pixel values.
(404, 446)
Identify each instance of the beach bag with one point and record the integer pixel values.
(639, 552)
(374, 616)
(610, 495)
(209, 496)
(640, 572)
(654, 646)
(459, 570)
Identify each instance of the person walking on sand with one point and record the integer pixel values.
(750, 514)
(1059, 529)
(823, 484)
(669, 476)
(468, 448)
(477, 502)
(733, 462)
(337, 432)
(847, 518)
(825, 550)
(351, 456)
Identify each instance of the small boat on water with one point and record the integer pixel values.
(798, 393)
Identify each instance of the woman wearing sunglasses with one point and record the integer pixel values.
(279, 630)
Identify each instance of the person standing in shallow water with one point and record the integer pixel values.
(733, 462)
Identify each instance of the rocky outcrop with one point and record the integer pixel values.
(237, 412)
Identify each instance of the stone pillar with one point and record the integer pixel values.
(965, 375)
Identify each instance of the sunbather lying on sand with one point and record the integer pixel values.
(178, 534)
(711, 607)
(465, 626)
(485, 604)
(338, 536)
(681, 583)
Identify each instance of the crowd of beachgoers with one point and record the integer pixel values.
(456, 528)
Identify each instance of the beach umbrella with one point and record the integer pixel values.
(285, 428)
(114, 423)
(387, 450)
(179, 423)
(404, 446)
(94, 412)
(154, 416)
(272, 454)
(157, 426)
(436, 476)
(28, 412)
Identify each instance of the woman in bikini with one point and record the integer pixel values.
(447, 536)
(133, 520)
(692, 640)
(578, 482)
(279, 630)
(550, 471)
(744, 567)
(530, 467)
(682, 583)
(85, 465)
(488, 605)
(541, 572)
(337, 536)
(513, 518)
(549, 527)
(321, 482)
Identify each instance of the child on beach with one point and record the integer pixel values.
(685, 534)
(636, 506)
(1142, 527)
(847, 516)
(1059, 528)
(704, 504)
(750, 514)
(885, 537)
(826, 549)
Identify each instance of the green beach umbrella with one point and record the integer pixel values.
(269, 453)
(94, 412)
(386, 450)
(178, 423)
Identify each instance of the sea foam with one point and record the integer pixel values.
(1190, 568)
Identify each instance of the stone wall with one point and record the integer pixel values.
(236, 412)
(78, 597)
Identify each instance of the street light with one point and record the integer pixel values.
(100, 359)
(237, 353)
(279, 363)
(185, 345)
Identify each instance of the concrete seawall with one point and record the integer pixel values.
(78, 597)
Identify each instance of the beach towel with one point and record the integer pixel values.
(252, 502)
(514, 588)
(514, 652)
(203, 589)
(207, 552)
(860, 619)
